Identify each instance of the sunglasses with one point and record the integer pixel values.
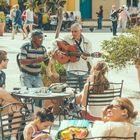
(114, 106)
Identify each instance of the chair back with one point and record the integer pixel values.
(104, 98)
(13, 118)
(110, 138)
(17, 59)
(97, 101)
(77, 82)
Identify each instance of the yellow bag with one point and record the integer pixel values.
(77, 132)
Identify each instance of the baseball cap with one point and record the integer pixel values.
(36, 33)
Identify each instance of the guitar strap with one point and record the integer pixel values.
(78, 44)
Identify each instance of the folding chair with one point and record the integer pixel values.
(105, 98)
(13, 118)
(109, 138)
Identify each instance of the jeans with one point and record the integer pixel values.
(31, 81)
(79, 77)
(99, 22)
(114, 27)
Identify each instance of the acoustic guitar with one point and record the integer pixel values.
(70, 53)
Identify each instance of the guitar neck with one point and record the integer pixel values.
(78, 54)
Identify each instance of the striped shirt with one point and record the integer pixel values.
(29, 52)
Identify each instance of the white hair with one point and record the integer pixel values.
(76, 25)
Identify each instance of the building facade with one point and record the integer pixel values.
(88, 8)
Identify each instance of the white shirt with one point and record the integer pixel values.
(30, 15)
(120, 129)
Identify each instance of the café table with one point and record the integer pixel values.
(32, 94)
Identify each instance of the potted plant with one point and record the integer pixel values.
(123, 50)
(2, 22)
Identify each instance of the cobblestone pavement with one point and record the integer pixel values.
(129, 75)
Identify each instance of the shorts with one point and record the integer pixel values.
(17, 26)
(29, 22)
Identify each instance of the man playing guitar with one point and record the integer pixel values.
(78, 68)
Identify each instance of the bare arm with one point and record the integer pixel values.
(7, 97)
(31, 61)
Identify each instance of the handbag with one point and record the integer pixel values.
(57, 87)
(72, 131)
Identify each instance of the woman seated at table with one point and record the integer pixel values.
(117, 117)
(34, 130)
(97, 77)
(5, 99)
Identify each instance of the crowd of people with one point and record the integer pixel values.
(24, 21)
(116, 117)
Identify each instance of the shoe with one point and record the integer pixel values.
(24, 37)
(115, 35)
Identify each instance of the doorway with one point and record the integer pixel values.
(86, 9)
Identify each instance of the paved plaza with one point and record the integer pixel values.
(131, 87)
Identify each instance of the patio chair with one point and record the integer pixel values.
(77, 82)
(109, 138)
(13, 120)
(69, 109)
(99, 100)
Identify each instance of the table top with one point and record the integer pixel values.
(38, 93)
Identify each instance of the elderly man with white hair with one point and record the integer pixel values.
(77, 68)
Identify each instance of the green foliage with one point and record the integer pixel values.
(51, 5)
(59, 69)
(2, 17)
(122, 50)
(3, 3)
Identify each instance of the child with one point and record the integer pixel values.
(34, 130)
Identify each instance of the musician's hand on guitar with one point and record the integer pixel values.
(83, 57)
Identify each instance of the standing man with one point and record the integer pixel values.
(3, 65)
(32, 54)
(114, 19)
(79, 68)
(100, 17)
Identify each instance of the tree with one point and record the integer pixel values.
(55, 6)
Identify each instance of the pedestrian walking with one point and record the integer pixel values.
(17, 22)
(29, 20)
(124, 16)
